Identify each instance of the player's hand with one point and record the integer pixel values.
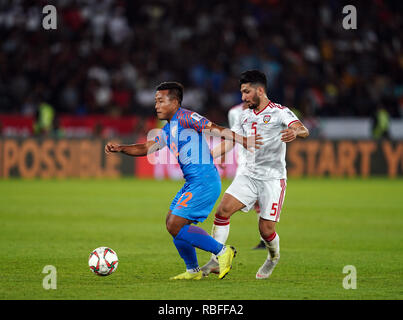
(252, 142)
(112, 147)
(288, 135)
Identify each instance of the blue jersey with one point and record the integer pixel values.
(184, 137)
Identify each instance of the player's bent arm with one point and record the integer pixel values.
(134, 150)
(300, 130)
(296, 130)
(247, 142)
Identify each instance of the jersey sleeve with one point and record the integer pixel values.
(237, 125)
(288, 117)
(232, 117)
(193, 120)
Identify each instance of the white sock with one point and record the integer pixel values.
(273, 245)
(220, 231)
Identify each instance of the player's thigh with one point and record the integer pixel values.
(245, 191)
(167, 217)
(271, 198)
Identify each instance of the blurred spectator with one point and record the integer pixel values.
(121, 95)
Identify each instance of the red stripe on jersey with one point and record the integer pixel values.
(292, 122)
(254, 110)
(279, 106)
(276, 105)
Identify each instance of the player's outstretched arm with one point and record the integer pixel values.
(249, 143)
(222, 148)
(296, 130)
(135, 150)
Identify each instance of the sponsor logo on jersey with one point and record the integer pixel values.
(174, 130)
(266, 118)
(196, 116)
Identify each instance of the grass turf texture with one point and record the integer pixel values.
(325, 225)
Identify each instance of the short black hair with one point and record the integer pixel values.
(253, 77)
(175, 89)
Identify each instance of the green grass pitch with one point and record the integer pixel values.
(326, 224)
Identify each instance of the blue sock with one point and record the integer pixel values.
(187, 253)
(199, 238)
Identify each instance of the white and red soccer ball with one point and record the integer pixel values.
(103, 261)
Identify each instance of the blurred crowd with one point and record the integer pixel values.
(107, 56)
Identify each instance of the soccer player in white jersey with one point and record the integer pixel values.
(233, 115)
(263, 177)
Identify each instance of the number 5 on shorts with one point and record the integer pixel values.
(273, 211)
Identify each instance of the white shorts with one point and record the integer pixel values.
(269, 194)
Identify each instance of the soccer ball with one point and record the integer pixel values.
(103, 261)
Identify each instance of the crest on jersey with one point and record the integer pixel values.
(266, 118)
(174, 130)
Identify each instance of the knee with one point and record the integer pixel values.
(171, 229)
(171, 226)
(224, 211)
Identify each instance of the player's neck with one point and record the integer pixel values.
(173, 114)
(263, 104)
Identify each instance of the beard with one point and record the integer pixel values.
(255, 102)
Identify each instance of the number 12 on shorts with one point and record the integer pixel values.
(184, 199)
(274, 208)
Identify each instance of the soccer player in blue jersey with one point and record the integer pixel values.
(184, 136)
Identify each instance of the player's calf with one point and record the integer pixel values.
(266, 228)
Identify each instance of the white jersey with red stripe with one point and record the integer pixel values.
(268, 162)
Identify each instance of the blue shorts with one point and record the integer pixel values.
(196, 200)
